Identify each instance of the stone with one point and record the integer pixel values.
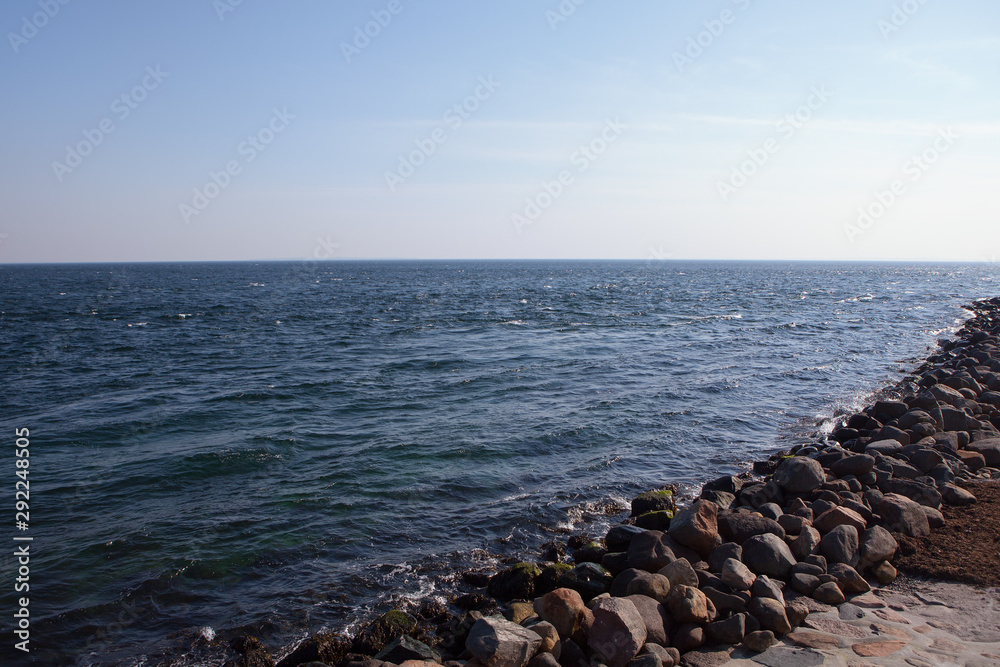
(839, 516)
(376, 635)
(771, 615)
(763, 587)
(726, 603)
(923, 458)
(759, 641)
(856, 464)
(876, 544)
(974, 460)
(542, 659)
(884, 573)
(655, 520)
(728, 631)
(721, 498)
(325, 647)
(878, 648)
(955, 495)
(739, 527)
(793, 523)
(563, 608)
(696, 527)
(619, 537)
(655, 618)
(688, 604)
(770, 510)
(615, 563)
(910, 488)
(806, 543)
(680, 572)
(587, 579)
(669, 657)
(549, 635)
(799, 474)
(768, 554)
(902, 515)
(797, 612)
(935, 519)
(591, 552)
(649, 551)
(518, 612)
(722, 553)
(655, 586)
(654, 501)
(572, 655)
(618, 631)
(804, 583)
(813, 639)
(736, 575)
(406, 648)
(514, 583)
(829, 593)
(646, 660)
(883, 447)
(848, 579)
(840, 545)
(496, 642)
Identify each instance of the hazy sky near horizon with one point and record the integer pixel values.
(243, 129)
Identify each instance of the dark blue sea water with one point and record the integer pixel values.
(282, 447)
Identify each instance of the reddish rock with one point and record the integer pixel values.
(697, 527)
(563, 608)
(618, 631)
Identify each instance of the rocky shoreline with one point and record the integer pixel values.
(743, 565)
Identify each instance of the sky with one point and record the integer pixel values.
(191, 130)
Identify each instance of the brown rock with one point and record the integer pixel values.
(829, 593)
(759, 641)
(688, 604)
(696, 527)
(563, 608)
(877, 649)
(618, 631)
(837, 516)
(811, 639)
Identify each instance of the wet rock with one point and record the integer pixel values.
(838, 516)
(518, 612)
(739, 527)
(696, 527)
(325, 647)
(688, 604)
(655, 618)
(379, 633)
(592, 552)
(655, 520)
(587, 579)
(728, 631)
(514, 583)
(251, 651)
(680, 572)
(770, 614)
(954, 495)
(768, 554)
(902, 515)
(654, 501)
(564, 609)
(829, 593)
(649, 551)
(497, 642)
(407, 648)
(618, 631)
(799, 474)
(736, 575)
(721, 498)
(548, 580)
(619, 537)
(840, 545)
(615, 563)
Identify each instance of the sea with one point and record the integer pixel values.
(279, 448)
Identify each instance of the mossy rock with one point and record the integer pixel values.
(546, 581)
(592, 552)
(514, 583)
(654, 501)
(382, 631)
(658, 520)
(587, 579)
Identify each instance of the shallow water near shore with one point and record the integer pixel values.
(282, 447)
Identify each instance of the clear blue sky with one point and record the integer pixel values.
(605, 131)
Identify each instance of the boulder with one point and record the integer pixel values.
(564, 609)
(722, 553)
(955, 495)
(587, 579)
(620, 536)
(829, 593)
(990, 450)
(922, 493)
(655, 586)
(496, 642)
(549, 635)
(840, 545)
(875, 545)
(768, 554)
(885, 573)
(838, 516)
(974, 460)
(680, 572)
(736, 575)
(688, 637)
(803, 583)
(739, 527)
(655, 618)
(649, 551)
(902, 515)
(793, 523)
(654, 501)
(728, 631)
(618, 631)
(696, 527)
(806, 543)
(799, 474)
(857, 465)
(688, 604)
(759, 641)
(325, 647)
(763, 587)
(883, 447)
(407, 648)
(514, 583)
(848, 579)
(770, 614)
